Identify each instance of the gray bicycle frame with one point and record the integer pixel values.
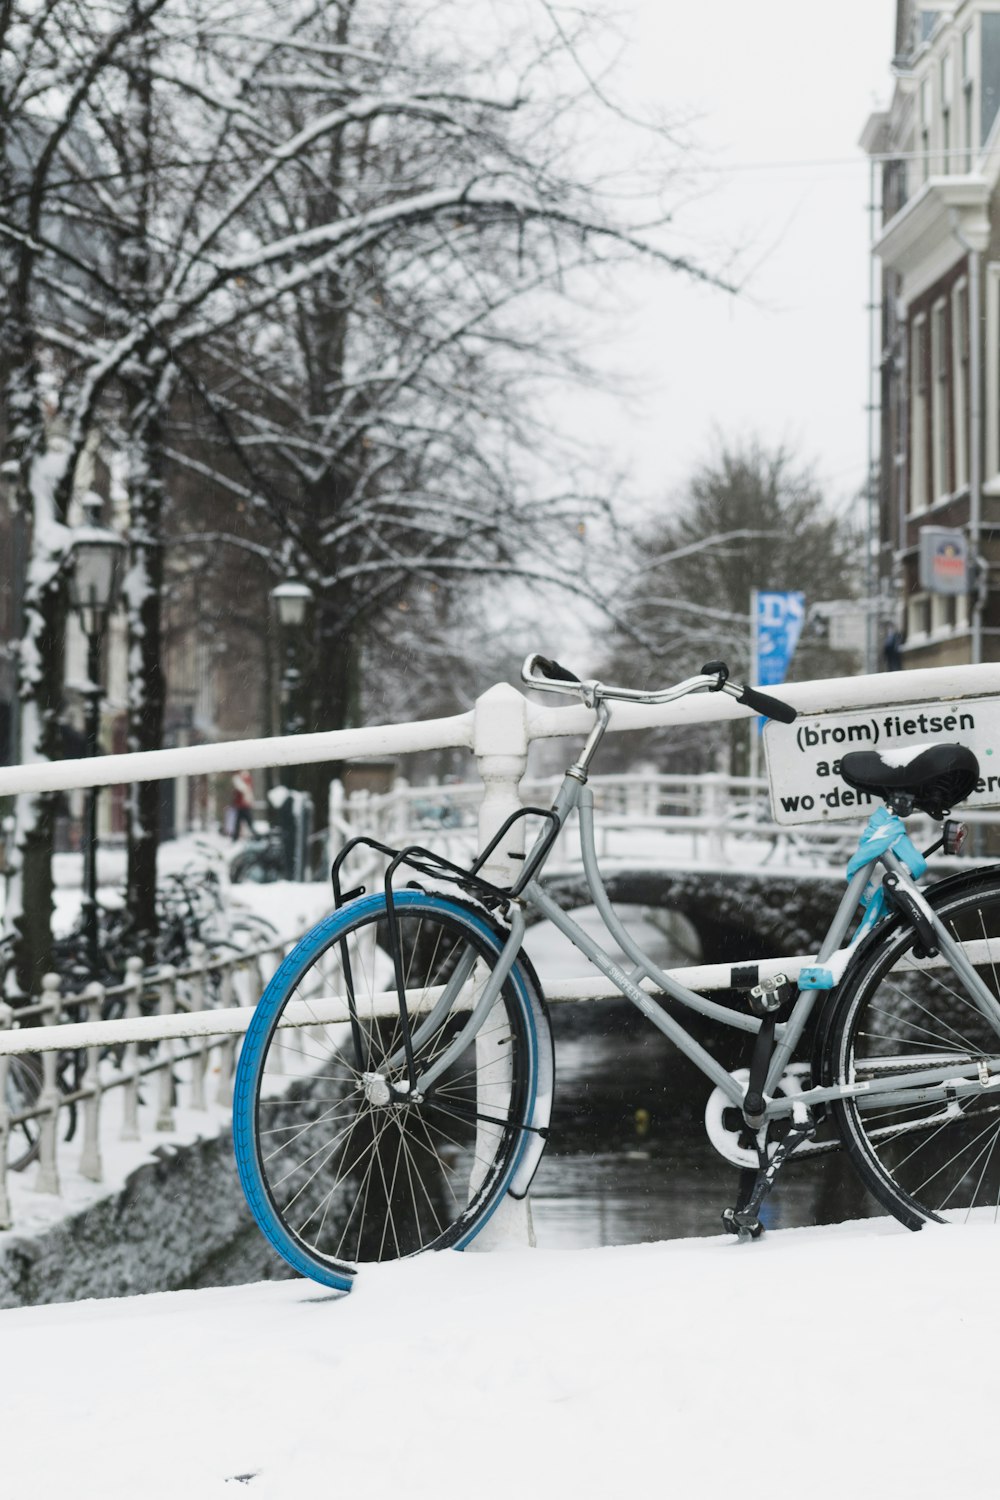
(575, 795)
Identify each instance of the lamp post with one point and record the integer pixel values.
(95, 555)
(291, 602)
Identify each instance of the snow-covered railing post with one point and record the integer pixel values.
(165, 1078)
(336, 816)
(227, 1050)
(258, 983)
(360, 816)
(47, 1178)
(130, 1060)
(500, 745)
(91, 1166)
(6, 1015)
(199, 1062)
(713, 804)
(401, 806)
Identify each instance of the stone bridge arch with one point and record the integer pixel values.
(737, 915)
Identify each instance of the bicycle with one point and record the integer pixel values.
(395, 1083)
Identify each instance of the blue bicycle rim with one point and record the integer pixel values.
(340, 1275)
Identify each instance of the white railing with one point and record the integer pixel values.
(165, 1019)
(498, 731)
(708, 820)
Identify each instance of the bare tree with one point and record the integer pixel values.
(321, 234)
(750, 517)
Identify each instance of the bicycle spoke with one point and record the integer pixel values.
(903, 1016)
(356, 1168)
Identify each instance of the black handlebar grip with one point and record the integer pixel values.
(771, 708)
(553, 671)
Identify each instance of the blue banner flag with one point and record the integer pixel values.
(778, 620)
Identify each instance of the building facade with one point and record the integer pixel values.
(936, 155)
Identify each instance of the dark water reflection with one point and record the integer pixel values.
(628, 1159)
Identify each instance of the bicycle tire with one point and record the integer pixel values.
(23, 1090)
(426, 1174)
(933, 1160)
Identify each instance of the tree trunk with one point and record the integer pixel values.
(331, 703)
(28, 909)
(146, 686)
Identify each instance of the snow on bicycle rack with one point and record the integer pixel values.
(498, 731)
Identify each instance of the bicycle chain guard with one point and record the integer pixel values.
(725, 1135)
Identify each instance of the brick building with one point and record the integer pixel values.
(936, 151)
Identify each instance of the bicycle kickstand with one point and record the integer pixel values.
(744, 1219)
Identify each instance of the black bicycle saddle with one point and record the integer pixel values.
(937, 777)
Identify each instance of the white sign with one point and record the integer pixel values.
(849, 632)
(803, 758)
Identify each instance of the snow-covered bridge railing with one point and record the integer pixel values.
(640, 818)
(498, 732)
(59, 1058)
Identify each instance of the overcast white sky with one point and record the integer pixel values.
(781, 92)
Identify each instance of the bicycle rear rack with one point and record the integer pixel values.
(436, 867)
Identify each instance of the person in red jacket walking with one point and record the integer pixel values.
(242, 803)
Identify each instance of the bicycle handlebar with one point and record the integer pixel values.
(765, 705)
(547, 676)
(549, 669)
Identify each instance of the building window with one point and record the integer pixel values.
(945, 84)
(960, 365)
(918, 617)
(941, 404)
(947, 613)
(918, 415)
(989, 72)
(925, 129)
(944, 615)
(894, 187)
(928, 21)
(968, 127)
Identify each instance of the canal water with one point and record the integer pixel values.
(628, 1159)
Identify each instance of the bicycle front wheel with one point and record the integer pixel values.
(341, 1162)
(23, 1090)
(936, 1157)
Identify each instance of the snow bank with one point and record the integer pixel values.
(178, 1219)
(701, 1368)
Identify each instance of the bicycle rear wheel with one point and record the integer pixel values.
(23, 1089)
(340, 1167)
(937, 1158)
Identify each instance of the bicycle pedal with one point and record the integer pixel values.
(770, 995)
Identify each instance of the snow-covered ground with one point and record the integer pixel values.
(807, 1364)
(816, 1363)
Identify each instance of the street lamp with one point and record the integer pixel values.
(291, 602)
(95, 570)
